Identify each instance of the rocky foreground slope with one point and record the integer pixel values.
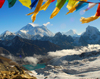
(11, 70)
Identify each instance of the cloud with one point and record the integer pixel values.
(62, 57)
(31, 60)
(80, 34)
(46, 24)
(34, 25)
(63, 53)
(77, 51)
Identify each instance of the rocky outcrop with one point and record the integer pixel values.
(11, 70)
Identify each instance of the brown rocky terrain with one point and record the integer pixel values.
(11, 70)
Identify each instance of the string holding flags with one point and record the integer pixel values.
(72, 5)
(90, 6)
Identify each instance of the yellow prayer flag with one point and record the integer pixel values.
(89, 19)
(55, 12)
(71, 3)
(57, 9)
(36, 10)
(73, 6)
(26, 3)
(45, 6)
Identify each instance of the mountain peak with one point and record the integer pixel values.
(33, 25)
(58, 34)
(90, 30)
(34, 30)
(7, 33)
(71, 33)
(90, 36)
(29, 26)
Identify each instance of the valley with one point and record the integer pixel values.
(53, 56)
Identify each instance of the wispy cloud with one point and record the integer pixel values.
(80, 34)
(34, 24)
(46, 24)
(77, 51)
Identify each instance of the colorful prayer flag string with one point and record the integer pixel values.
(72, 5)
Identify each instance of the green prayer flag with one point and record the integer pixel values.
(11, 3)
(61, 3)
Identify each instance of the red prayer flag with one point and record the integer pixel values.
(52, 0)
(1, 3)
(98, 10)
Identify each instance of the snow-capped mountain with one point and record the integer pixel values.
(90, 30)
(33, 29)
(71, 33)
(90, 36)
(7, 35)
(33, 32)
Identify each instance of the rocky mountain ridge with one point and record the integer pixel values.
(90, 36)
(64, 40)
(24, 47)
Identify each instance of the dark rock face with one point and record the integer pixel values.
(4, 51)
(19, 46)
(65, 42)
(83, 40)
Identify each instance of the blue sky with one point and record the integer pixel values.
(15, 18)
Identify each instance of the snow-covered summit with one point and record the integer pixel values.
(34, 29)
(34, 25)
(90, 36)
(6, 33)
(90, 30)
(71, 33)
